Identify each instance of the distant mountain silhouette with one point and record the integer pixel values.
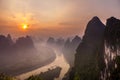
(67, 43)
(5, 43)
(8, 46)
(24, 42)
(10, 39)
(75, 42)
(60, 42)
(89, 57)
(70, 48)
(51, 41)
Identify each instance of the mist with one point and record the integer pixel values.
(23, 56)
(60, 39)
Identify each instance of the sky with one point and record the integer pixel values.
(56, 18)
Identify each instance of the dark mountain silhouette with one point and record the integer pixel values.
(60, 42)
(10, 39)
(112, 43)
(75, 42)
(112, 33)
(55, 42)
(69, 49)
(5, 43)
(89, 57)
(8, 46)
(51, 41)
(67, 43)
(24, 43)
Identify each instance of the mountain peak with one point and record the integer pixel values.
(94, 27)
(95, 18)
(112, 20)
(76, 37)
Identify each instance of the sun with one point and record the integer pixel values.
(25, 26)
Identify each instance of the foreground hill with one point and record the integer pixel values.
(89, 58)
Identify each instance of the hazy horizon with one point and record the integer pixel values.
(56, 18)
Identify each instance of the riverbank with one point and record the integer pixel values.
(19, 63)
(51, 74)
(30, 68)
(59, 61)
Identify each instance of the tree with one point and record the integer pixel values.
(112, 44)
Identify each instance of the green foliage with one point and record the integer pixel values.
(77, 77)
(34, 78)
(5, 77)
(112, 34)
(112, 42)
(117, 60)
(115, 73)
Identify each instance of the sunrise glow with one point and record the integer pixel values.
(24, 26)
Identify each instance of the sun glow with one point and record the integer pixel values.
(24, 26)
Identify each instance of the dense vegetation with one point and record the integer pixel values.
(6, 77)
(112, 43)
(34, 78)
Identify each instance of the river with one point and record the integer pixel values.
(59, 61)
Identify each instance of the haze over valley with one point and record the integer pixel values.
(59, 39)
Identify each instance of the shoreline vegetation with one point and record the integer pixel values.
(51, 73)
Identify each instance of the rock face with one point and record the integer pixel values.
(75, 42)
(89, 57)
(69, 49)
(112, 43)
(112, 33)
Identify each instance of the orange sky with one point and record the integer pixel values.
(53, 17)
